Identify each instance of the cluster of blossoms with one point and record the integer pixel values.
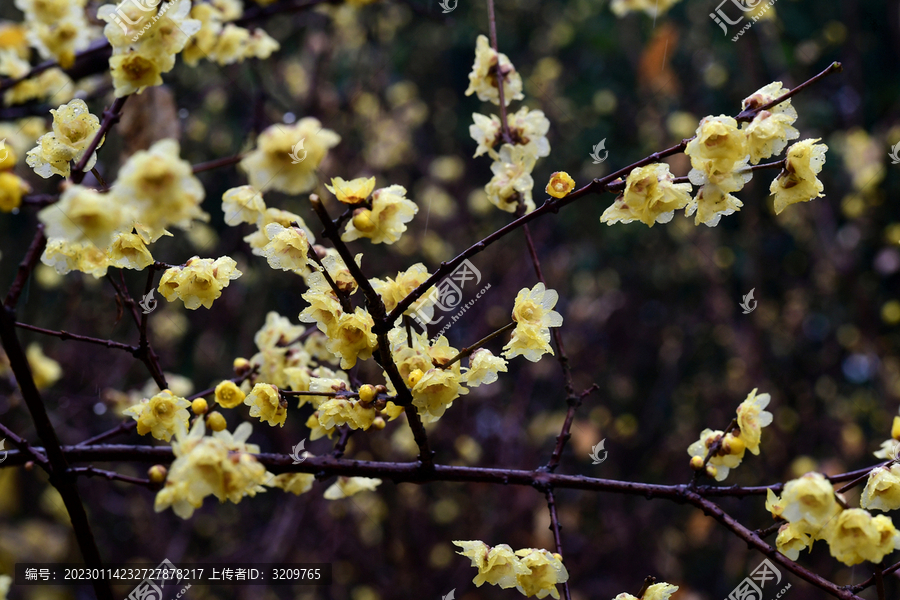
(52, 84)
(223, 42)
(730, 447)
(525, 141)
(381, 220)
(57, 28)
(813, 512)
(656, 591)
(721, 154)
(532, 571)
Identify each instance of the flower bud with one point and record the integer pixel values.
(157, 473)
(199, 406)
(367, 393)
(215, 421)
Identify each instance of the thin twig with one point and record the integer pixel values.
(65, 335)
(32, 255)
(470, 349)
(111, 116)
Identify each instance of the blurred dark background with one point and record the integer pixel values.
(651, 314)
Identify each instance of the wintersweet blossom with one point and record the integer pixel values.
(353, 191)
(546, 570)
(65, 256)
(12, 188)
(719, 154)
(882, 491)
(199, 282)
(351, 337)
(242, 204)
(386, 221)
(161, 188)
(512, 182)
(44, 369)
(128, 251)
(808, 501)
(797, 182)
(857, 536)
(345, 487)
(483, 78)
(483, 368)
(752, 418)
(729, 456)
(74, 128)
(222, 465)
(229, 395)
(335, 412)
(534, 315)
(287, 249)
(770, 130)
(496, 565)
(653, 8)
(160, 415)
(295, 483)
(792, 539)
(266, 403)
(83, 214)
(650, 196)
(272, 166)
(393, 291)
(560, 184)
(259, 239)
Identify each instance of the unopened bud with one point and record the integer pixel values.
(697, 463)
(215, 421)
(378, 423)
(199, 406)
(157, 473)
(367, 393)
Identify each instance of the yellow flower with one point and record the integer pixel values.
(752, 418)
(882, 490)
(769, 132)
(512, 182)
(74, 128)
(271, 166)
(134, 72)
(324, 309)
(316, 430)
(546, 570)
(650, 196)
(161, 188)
(231, 45)
(353, 191)
(83, 214)
(265, 402)
(792, 539)
(128, 251)
(498, 565)
(393, 291)
(485, 131)
(345, 487)
(895, 428)
(729, 457)
(856, 536)
(45, 370)
(242, 205)
(809, 499)
(5, 583)
(335, 412)
(534, 315)
(560, 184)
(387, 220)
(483, 78)
(199, 282)
(287, 248)
(71, 256)
(295, 483)
(719, 154)
(483, 368)
(160, 415)
(797, 182)
(351, 337)
(222, 465)
(259, 239)
(12, 187)
(229, 395)
(528, 128)
(660, 591)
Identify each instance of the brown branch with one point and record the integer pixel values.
(750, 113)
(25, 447)
(60, 477)
(113, 476)
(467, 351)
(217, 163)
(878, 574)
(65, 336)
(32, 255)
(120, 428)
(145, 352)
(492, 24)
(40, 200)
(555, 527)
(341, 444)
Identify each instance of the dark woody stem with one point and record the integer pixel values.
(469, 350)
